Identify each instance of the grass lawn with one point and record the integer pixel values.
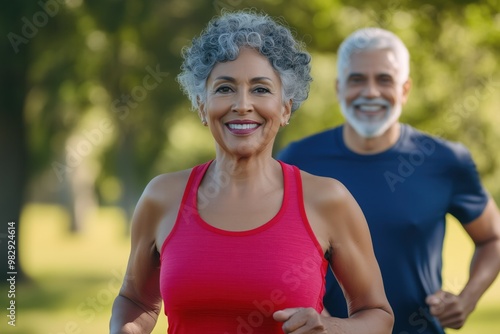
(75, 277)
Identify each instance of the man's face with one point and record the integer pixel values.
(370, 92)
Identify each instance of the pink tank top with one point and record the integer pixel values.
(215, 281)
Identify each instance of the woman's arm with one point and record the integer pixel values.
(340, 227)
(354, 265)
(136, 308)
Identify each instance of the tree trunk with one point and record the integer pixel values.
(13, 158)
(15, 55)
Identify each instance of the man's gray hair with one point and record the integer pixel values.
(367, 39)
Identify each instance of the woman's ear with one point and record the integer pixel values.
(287, 112)
(201, 113)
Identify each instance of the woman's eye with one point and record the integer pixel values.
(261, 90)
(223, 89)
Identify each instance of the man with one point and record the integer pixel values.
(406, 182)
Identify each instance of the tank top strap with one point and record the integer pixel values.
(188, 207)
(191, 192)
(293, 188)
(294, 200)
(292, 209)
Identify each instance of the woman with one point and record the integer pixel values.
(241, 244)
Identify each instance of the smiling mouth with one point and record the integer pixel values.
(242, 128)
(369, 108)
(234, 126)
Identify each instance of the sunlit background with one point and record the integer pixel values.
(91, 111)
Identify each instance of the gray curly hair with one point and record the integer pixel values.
(222, 40)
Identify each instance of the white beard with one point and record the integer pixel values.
(367, 128)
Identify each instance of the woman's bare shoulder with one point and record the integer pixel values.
(161, 195)
(323, 190)
(166, 186)
(332, 211)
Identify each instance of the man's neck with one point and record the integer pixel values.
(362, 145)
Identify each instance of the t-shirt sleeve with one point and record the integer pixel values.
(469, 197)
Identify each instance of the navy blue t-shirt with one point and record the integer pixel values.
(405, 194)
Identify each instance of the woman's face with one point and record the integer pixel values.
(244, 107)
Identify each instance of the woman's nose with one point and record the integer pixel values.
(242, 102)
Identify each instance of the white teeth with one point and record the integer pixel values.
(242, 126)
(369, 107)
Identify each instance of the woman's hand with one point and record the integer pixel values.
(300, 321)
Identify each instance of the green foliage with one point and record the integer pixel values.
(92, 85)
(94, 61)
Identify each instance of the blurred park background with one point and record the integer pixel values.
(90, 111)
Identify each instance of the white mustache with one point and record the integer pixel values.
(375, 101)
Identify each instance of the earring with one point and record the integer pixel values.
(204, 122)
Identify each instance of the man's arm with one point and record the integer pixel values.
(452, 311)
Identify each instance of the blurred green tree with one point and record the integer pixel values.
(91, 109)
(13, 148)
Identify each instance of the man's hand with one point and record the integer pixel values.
(449, 309)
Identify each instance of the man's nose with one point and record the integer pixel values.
(371, 89)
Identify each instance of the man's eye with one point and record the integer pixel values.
(386, 81)
(355, 79)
